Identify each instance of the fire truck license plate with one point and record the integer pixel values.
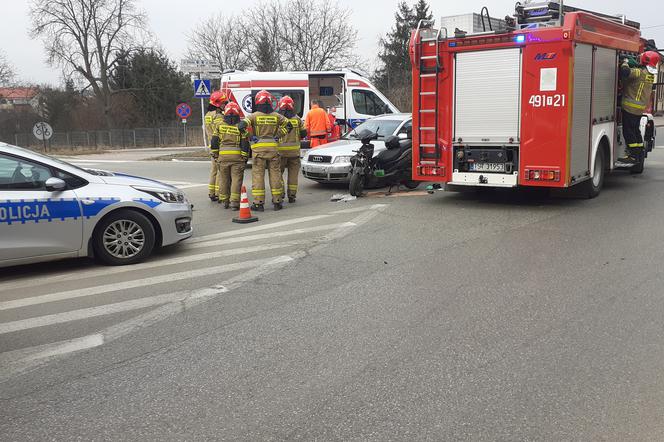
(487, 167)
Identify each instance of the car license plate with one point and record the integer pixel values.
(487, 167)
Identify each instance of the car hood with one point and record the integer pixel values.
(344, 148)
(121, 179)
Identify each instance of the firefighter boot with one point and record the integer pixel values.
(291, 199)
(278, 206)
(227, 204)
(258, 207)
(631, 156)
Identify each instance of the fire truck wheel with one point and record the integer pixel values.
(594, 185)
(640, 166)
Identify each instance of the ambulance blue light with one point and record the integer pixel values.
(520, 39)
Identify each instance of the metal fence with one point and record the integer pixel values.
(117, 138)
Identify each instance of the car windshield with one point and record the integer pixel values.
(384, 128)
(52, 159)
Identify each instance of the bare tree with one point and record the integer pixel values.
(220, 39)
(87, 37)
(6, 71)
(265, 25)
(316, 35)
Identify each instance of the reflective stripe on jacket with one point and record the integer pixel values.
(637, 90)
(268, 128)
(289, 144)
(230, 138)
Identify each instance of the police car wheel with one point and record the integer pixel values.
(123, 237)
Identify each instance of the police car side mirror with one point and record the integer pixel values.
(55, 184)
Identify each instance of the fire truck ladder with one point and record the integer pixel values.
(430, 68)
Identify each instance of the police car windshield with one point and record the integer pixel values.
(51, 159)
(384, 128)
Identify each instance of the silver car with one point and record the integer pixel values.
(331, 163)
(50, 209)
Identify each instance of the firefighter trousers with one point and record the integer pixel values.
(271, 161)
(229, 178)
(632, 133)
(213, 187)
(292, 165)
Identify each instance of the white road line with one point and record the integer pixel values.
(359, 209)
(190, 186)
(261, 228)
(269, 235)
(85, 162)
(100, 272)
(118, 286)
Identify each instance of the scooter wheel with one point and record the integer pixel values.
(356, 185)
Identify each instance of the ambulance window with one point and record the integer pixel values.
(368, 103)
(296, 95)
(19, 174)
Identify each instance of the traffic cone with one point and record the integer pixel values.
(245, 212)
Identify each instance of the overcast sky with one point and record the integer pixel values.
(170, 20)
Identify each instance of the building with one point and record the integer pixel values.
(12, 98)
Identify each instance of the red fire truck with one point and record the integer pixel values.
(533, 104)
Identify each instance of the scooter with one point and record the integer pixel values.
(391, 167)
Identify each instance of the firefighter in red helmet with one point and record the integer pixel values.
(289, 146)
(268, 127)
(214, 117)
(637, 91)
(232, 159)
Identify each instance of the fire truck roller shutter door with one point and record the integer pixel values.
(582, 99)
(488, 95)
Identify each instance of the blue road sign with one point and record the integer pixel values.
(183, 110)
(202, 88)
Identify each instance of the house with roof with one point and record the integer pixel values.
(12, 98)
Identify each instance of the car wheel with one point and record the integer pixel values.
(356, 185)
(123, 237)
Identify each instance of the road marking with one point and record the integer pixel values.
(97, 272)
(126, 285)
(256, 229)
(359, 209)
(269, 235)
(19, 361)
(78, 162)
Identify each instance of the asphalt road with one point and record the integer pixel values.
(476, 316)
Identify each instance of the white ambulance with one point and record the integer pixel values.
(353, 95)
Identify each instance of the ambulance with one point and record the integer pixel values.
(354, 97)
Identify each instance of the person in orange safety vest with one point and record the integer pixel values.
(317, 124)
(335, 133)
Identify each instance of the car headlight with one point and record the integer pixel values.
(343, 159)
(166, 196)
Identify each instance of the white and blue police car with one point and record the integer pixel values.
(50, 209)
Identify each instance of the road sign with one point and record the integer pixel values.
(202, 88)
(201, 67)
(42, 131)
(183, 110)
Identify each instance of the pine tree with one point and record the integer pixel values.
(394, 77)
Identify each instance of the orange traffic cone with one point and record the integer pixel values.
(245, 212)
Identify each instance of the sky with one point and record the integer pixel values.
(171, 20)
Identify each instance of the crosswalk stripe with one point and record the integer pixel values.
(118, 286)
(257, 228)
(269, 235)
(100, 272)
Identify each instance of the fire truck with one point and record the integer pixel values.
(534, 103)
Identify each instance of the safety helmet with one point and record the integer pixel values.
(651, 60)
(264, 97)
(232, 109)
(286, 103)
(218, 98)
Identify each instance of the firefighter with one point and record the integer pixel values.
(637, 92)
(268, 127)
(214, 117)
(232, 156)
(317, 124)
(289, 146)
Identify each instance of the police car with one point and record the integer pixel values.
(50, 209)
